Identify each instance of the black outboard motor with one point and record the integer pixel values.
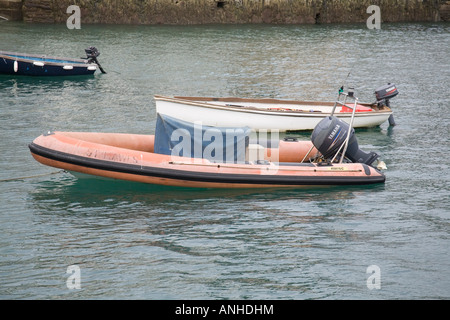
(383, 94)
(330, 134)
(92, 54)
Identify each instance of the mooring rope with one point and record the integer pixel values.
(31, 177)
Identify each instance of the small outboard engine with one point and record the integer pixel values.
(92, 53)
(330, 134)
(384, 93)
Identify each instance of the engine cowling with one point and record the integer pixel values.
(330, 134)
(385, 93)
(92, 52)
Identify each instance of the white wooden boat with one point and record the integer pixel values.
(270, 114)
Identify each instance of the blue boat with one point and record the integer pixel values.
(14, 63)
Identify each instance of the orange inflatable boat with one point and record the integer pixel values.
(186, 154)
(132, 157)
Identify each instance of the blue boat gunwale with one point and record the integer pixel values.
(30, 58)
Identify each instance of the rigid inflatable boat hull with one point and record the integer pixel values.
(130, 157)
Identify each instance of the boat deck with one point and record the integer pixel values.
(277, 105)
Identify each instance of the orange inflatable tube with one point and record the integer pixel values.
(130, 157)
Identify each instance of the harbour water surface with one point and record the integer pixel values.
(133, 241)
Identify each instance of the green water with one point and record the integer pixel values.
(135, 241)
